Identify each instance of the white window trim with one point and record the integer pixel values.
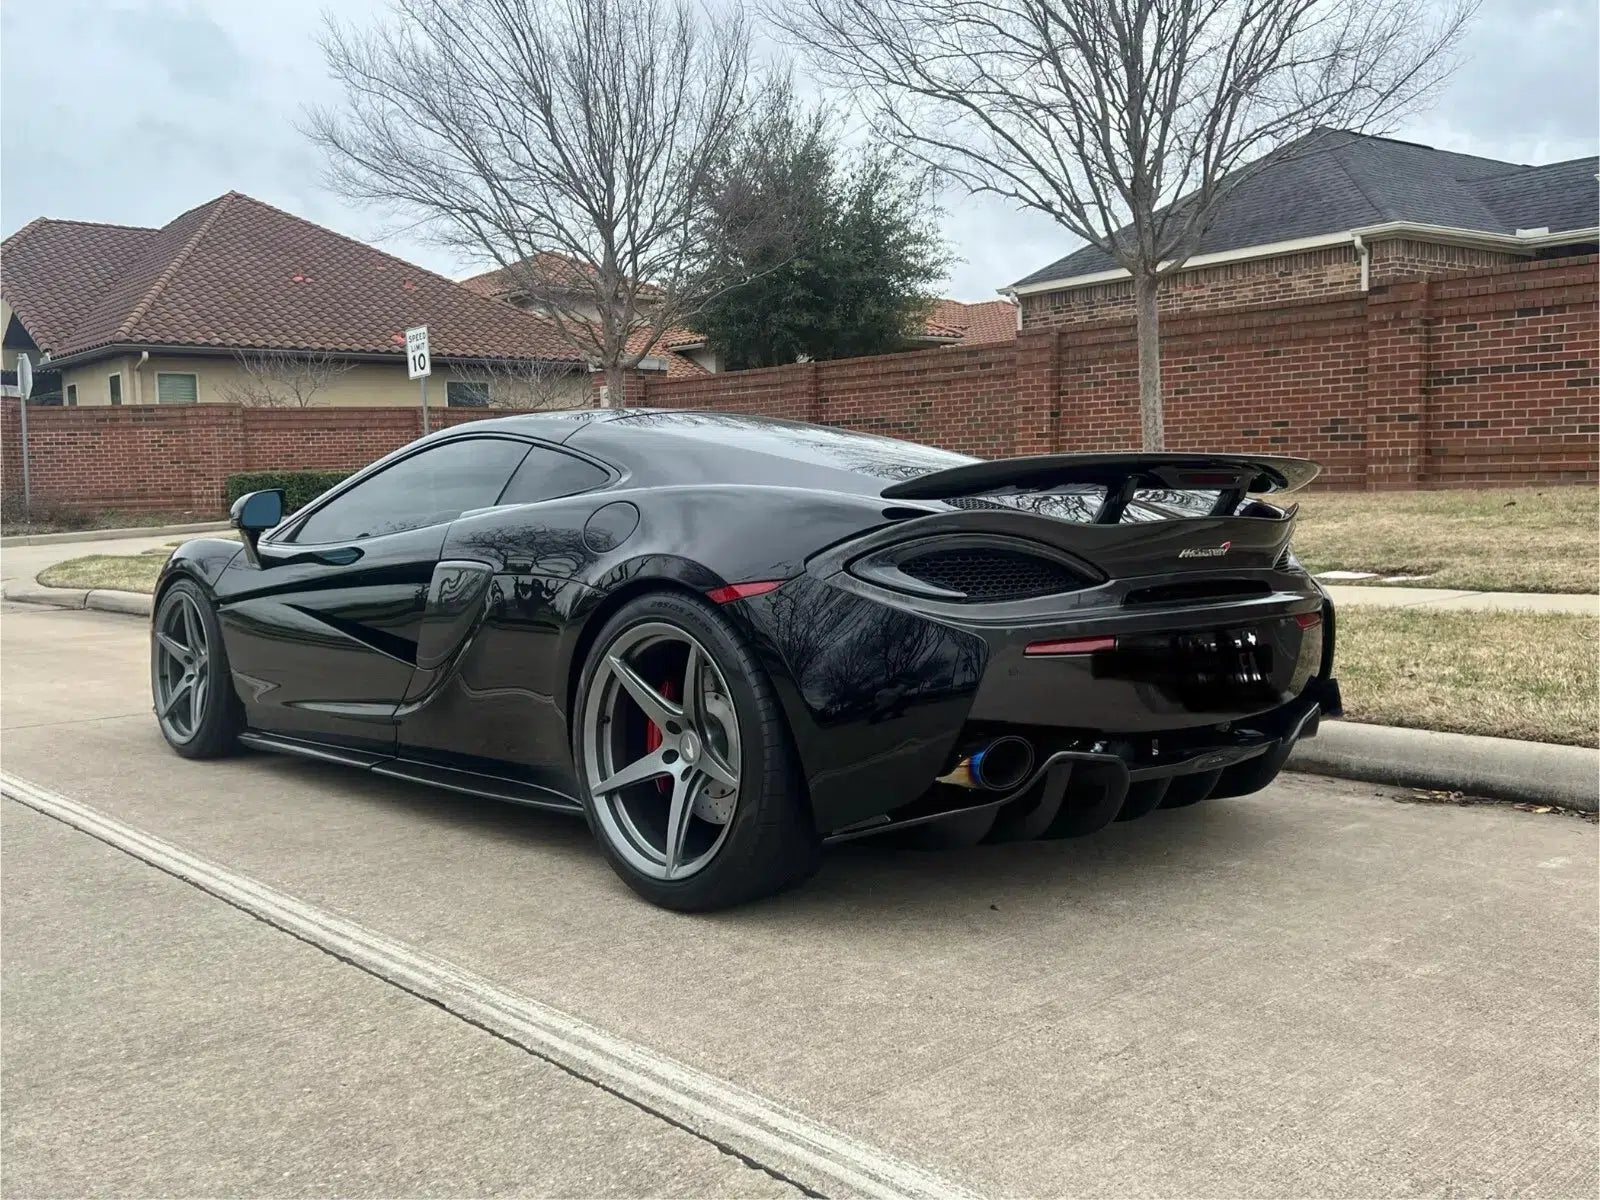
(119, 398)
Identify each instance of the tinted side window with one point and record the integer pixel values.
(429, 488)
(547, 474)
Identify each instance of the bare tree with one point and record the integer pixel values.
(1129, 122)
(525, 384)
(512, 130)
(282, 379)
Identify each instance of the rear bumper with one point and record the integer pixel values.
(1102, 776)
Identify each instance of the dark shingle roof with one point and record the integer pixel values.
(237, 273)
(1348, 181)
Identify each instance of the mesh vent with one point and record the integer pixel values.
(989, 575)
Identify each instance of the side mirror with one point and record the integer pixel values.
(254, 514)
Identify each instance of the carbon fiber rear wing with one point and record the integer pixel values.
(1122, 475)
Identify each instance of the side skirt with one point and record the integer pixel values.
(470, 783)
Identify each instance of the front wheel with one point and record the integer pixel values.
(195, 704)
(691, 786)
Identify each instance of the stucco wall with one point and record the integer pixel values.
(365, 385)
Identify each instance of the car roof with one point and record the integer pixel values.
(664, 447)
(669, 446)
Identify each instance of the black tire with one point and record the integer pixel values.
(771, 842)
(221, 717)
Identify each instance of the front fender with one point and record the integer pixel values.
(202, 560)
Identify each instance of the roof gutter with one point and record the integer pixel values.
(396, 357)
(1525, 243)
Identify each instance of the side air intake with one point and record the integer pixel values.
(972, 569)
(987, 576)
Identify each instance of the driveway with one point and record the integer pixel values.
(1323, 989)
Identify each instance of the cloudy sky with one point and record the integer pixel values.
(132, 111)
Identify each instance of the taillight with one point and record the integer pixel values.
(1086, 645)
(742, 591)
(1308, 620)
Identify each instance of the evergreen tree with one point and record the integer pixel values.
(837, 249)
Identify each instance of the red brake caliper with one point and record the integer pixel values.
(652, 733)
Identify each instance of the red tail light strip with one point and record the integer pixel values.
(1071, 646)
(1307, 620)
(742, 591)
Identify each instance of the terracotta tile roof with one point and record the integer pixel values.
(557, 270)
(239, 273)
(970, 324)
(51, 272)
(678, 365)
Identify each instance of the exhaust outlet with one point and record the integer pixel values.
(998, 766)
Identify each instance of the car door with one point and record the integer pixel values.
(322, 634)
(484, 695)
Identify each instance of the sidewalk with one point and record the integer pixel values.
(22, 563)
(1403, 597)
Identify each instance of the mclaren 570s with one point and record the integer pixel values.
(727, 641)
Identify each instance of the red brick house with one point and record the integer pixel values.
(1343, 213)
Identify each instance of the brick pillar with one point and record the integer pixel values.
(1038, 395)
(1399, 343)
(811, 390)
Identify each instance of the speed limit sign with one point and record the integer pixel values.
(417, 361)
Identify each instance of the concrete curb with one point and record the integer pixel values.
(109, 535)
(1498, 768)
(136, 604)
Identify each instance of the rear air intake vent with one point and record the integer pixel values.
(1202, 592)
(984, 575)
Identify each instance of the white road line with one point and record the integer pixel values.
(754, 1126)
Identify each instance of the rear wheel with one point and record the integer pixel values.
(691, 786)
(199, 712)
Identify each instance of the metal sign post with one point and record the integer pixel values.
(25, 389)
(419, 365)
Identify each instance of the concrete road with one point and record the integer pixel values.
(1320, 990)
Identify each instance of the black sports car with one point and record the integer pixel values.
(728, 640)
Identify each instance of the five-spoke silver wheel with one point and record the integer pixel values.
(180, 666)
(661, 751)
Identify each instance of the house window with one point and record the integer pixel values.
(466, 395)
(116, 389)
(72, 395)
(176, 388)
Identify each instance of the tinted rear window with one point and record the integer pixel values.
(861, 453)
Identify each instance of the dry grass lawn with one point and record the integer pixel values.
(125, 572)
(1503, 674)
(1505, 540)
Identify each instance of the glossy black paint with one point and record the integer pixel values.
(451, 652)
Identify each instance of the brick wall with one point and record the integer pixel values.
(1486, 376)
(170, 459)
(1398, 259)
(1285, 279)
(1477, 376)
(1288, 278)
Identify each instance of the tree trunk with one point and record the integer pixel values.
(1152, 416)
(616, 386)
